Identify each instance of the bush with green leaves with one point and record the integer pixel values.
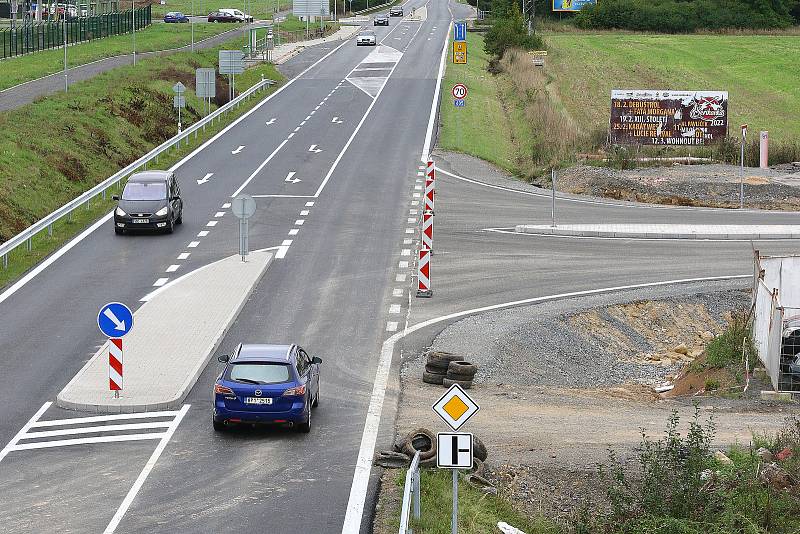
(508, 31)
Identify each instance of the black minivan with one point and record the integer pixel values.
(151, 200)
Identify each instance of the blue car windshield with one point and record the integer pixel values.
(259, 373)
(145, 191)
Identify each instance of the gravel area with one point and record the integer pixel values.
(538, 345)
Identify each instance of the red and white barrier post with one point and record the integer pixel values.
(115, 366)
(430, 187)
(427, 231)
(424, 274)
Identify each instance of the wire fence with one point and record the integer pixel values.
(33, 37)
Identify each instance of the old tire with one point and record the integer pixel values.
(466, 384)
(478, 449)
(441, 360)
(435, 370)
(477, 465)
(422, 440)
(461, 368)
(433, 378)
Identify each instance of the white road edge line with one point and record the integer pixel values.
(11, 444)
(363, 467)
(66, 248)
(126, 503)
(426, 147)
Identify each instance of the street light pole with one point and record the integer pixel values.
(64, 23)
(192, 19)
(133, 20)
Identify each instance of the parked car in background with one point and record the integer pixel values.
(239, 15)
(381, 20)
(175, 16)
(218, 16)
(366, 38)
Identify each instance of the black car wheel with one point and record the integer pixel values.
(170, 226)
(119, 231)
(179, 220)
(305, 428)
(219, 426)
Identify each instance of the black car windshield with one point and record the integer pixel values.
(259, 373)
(145, 191)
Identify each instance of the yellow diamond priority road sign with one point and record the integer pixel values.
(455, 407)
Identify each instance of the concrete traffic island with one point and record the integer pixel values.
(174, 334)
(667, 231)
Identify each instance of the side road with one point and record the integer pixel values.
(20, 95)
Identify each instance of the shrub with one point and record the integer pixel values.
(508, 31)
(726, 349)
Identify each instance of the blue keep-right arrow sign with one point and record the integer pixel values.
(115, 319)
(460, 31)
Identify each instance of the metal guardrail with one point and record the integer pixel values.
(46, 222)
(410, 493)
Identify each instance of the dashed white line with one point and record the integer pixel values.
(184, 255)
(212, 223)
(418, 188)
(202, 233)
(304, 212)
(296, 128)
(411, 220)
(397, 292)
(294, 231)
(394, 308)
(226, 205)
(407, 241)
(405, 252)
(416, 195)
(299, 222)
(303, 123)
(286, 243)
(415, 202)
(391, 326)
(413, 212)
(402, 265)
(308, 117)
(400, 278)
(219, 214)
(160, 282)
(290, 136)
(172, 268)
(193, 244)
(309, 204)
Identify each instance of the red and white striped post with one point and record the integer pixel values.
(427, 231)
(430, 187)
(115, 366)
(424, 274)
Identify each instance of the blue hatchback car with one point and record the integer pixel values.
(175, 16)
(275, 384)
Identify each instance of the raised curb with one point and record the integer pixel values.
(700, 232)
(88, 390)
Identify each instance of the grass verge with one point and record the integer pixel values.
(157, 36)
(104, 124)
(478, 513)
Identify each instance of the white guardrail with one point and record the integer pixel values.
(27, 235)
(410, 493)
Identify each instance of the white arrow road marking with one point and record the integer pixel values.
(291, 179)
(118, 325)
(314, 149)
(238, 149)
(270, 121)
(336, 120)
(205, 178)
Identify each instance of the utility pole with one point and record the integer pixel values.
(64, 24)
(192, 19)
(133, 20)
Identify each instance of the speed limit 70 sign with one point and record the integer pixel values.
(459, 91)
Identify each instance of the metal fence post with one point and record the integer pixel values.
(50, 230)
(29, 243)
(5, 261)
(416, 493)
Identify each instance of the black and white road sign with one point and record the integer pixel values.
(453, 450)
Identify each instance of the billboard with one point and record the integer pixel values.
(656, 117)
(311, 8)
(571, 5)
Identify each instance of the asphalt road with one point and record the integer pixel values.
(335, 292)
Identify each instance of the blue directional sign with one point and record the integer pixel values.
(460, 31)
(115, 319)
(459, 103)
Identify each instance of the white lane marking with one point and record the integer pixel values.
(272, 120)
(202, 233)
(418, 180)
(402, 265)
(304, 212)
(316, 108)
(413, 212)
(11, 444)
(296, 129)
(193, 244)
(205, 178)
(212, 223)
(314, 149)
(303, 123)
(307, 118)
(394, 308)
(418, 188)
(184, 255)
(291, 179)
(411, 220)
(219, 214)
(309, 204)
(160, 282)
(400, 278)
(397, 292)
(102, 418)
(405, 252)
(286, 243)
(391, 326)
(283, 249)
(415, 202)
(66, 248)
(407, 241)
(313, 111)
(416, 195)
(420, 174)
(95, 429)
(258, 169)
(409, 230)
(422, 168)
(361, 474)
(290, 135)
(238, 150)
(126, 503)
(282, 196)
(336, 120)
(226, 205)
(299, 222)
(294, 231)
(85, 441)
(426, 146)
(172, 268)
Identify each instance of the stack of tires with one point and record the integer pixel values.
(446, 368)
(424, 441)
